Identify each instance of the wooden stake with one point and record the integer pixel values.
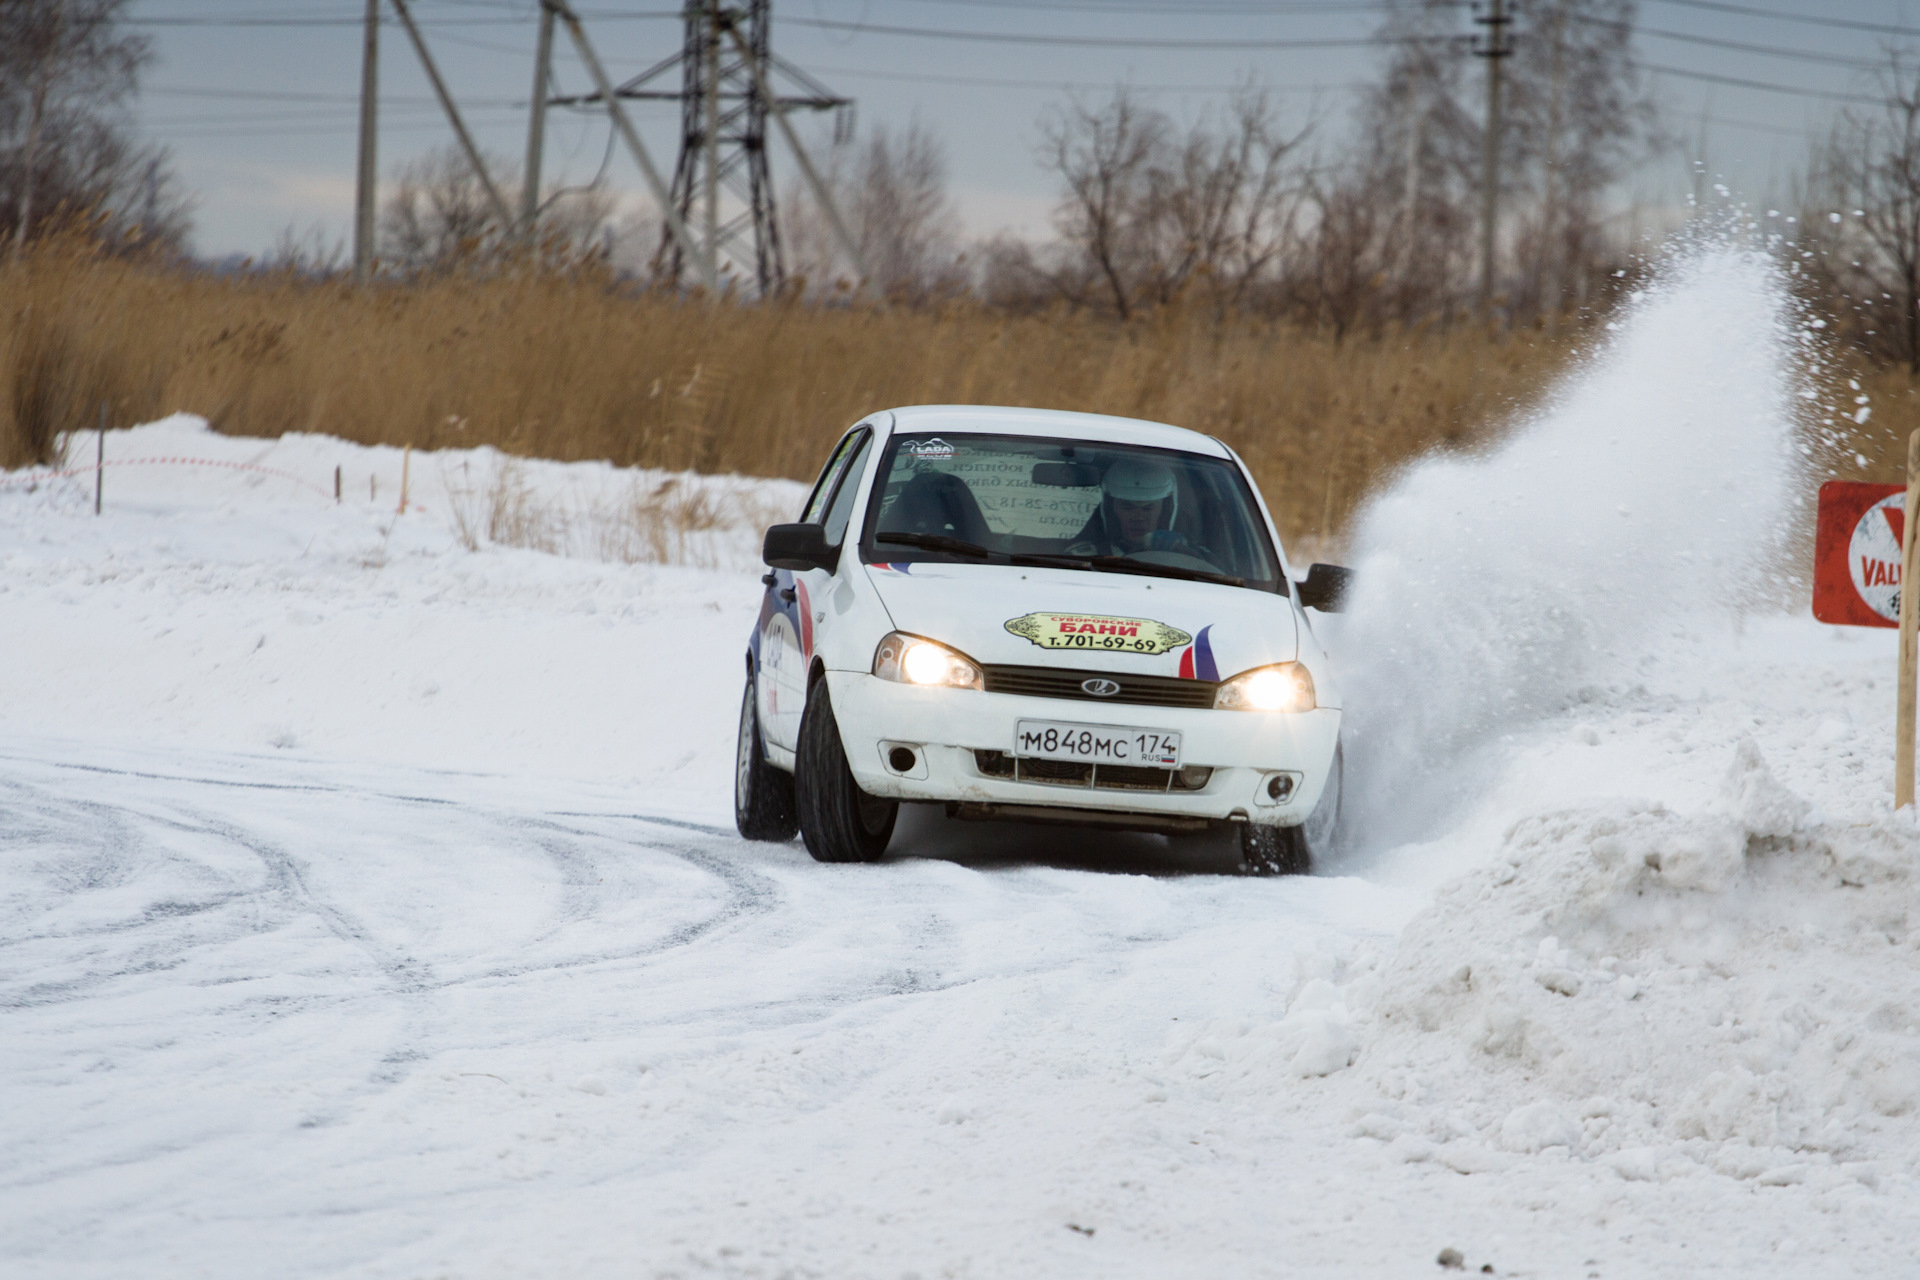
(336, 484)
(406, 465)
(99, 459)
(1909, 644)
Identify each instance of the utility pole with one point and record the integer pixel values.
(369, 130)
(1495, 47)
(537, 126)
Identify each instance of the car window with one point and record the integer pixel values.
(1030, 496)
(836, 464)
(842, 505)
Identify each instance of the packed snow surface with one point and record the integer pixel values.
(371, 903)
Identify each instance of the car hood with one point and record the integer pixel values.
(1089, 621)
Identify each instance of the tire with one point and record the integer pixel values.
(1292, 851)
(840, 822)
(762, 795)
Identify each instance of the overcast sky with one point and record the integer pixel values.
(257, 98)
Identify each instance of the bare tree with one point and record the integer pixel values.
(1864, 211)
(438, 217)
(892, 190)
(1149, 208)
(67, 72)
(1580, 115)
(1416, 158)
(1103, 156)
(1577, 116)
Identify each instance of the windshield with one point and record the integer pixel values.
(1078, 504)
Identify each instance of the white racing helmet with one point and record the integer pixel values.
(1142, 480)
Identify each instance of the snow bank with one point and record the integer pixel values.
(1674, 933)
(224, 599)
(1732, 989)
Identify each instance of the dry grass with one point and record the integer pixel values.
(572, 369)
(687, 519)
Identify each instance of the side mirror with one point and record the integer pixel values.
(1325, 588)
(799, 547)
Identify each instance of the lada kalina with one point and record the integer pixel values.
(1038, 616)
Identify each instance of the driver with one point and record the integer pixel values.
(1137, 506)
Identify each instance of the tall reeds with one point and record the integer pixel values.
(578, 368)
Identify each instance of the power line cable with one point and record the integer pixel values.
(989, 82)
(1767, 50)
(1829, 94)
(1105, 42)
(1748, 11)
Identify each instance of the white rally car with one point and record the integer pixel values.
(1037, 616)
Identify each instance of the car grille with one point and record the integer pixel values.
(1102, 777)
(1147, 691)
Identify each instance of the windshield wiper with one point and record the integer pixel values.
(935, 542)
(1124, 564)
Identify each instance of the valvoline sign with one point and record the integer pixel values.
(1856, 554)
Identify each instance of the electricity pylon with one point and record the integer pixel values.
(726, 94)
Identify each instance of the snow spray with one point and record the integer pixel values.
(1658, 480)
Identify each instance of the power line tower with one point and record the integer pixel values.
(726, 94)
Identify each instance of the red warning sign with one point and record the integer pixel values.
(1856, 554)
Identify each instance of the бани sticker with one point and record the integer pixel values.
(1098, 632)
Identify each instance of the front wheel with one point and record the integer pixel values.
(1292, 851)
(762, 794)
(840, 822)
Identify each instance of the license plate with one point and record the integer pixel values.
(1096, 743)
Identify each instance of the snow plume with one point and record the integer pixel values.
(1655, 482)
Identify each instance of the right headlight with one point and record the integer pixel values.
(914, 660)
(1284, 686)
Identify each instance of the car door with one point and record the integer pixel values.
(787, 640)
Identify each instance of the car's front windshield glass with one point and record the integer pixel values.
(1082, 504)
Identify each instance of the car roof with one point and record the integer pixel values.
(1000, 420)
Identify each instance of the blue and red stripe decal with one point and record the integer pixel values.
(1196, 660)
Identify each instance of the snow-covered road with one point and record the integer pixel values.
(369, 906)
(397, 1022)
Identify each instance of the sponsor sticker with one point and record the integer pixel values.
(928, 449)
(1098, 632)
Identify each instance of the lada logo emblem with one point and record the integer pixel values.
(1101, 688)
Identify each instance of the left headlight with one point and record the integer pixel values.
(1285, 686)
(913, 660)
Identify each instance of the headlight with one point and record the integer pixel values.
(1285, 686)
(911, 660)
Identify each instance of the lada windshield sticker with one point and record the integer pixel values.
(1196, 661)
(934, 448)
(1096, 631)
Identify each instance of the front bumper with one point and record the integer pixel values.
(945, 727)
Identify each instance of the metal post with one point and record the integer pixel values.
(99, 459)
(709, 270)
(801, 158)
(500, 210)
(1496, 48)
(367, 178)
(537, 125)
(1909, 645)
